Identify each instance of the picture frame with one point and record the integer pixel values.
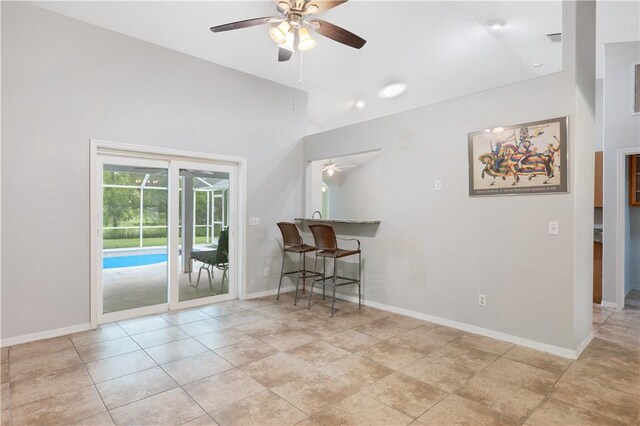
(523, 159)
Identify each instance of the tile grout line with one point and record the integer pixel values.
(93, 382)
(547, 395)
(108, 411)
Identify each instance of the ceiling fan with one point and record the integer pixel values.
(291, 27)
(332, 167)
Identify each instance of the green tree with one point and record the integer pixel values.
(120, 204)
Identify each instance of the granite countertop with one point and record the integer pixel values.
(597, 235)
(354, 221)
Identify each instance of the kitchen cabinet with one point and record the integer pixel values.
(597, 272)
(634, 180)
(597, 193)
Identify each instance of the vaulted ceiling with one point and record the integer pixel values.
(441, 50)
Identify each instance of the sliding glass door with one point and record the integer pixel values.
(203, 232)
(167, 235)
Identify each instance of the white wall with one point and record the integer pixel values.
(621, 131)
(435, 251)
(65, 82)
(599, 115)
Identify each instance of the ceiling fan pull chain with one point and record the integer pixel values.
(300, 55)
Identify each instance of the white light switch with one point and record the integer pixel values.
(254, 221)
(437, 185)
(554, 228)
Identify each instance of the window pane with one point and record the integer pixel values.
(158, 180)
(153, 237)
(217, 209)
(216, 232)
(121, 207)
(111, 177)
(155, 206)
(120, 238)
(201, 208)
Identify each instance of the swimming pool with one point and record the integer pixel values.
(137, 260)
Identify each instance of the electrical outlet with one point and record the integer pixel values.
(437, 185)
(266, 272)
(554, 228)
(254, 221)
(482, 300)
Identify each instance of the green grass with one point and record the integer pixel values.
(135, 242)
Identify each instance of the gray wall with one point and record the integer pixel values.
(355, 193)
(65, 82)
(621, 131)
(435, 251)
(599, 115)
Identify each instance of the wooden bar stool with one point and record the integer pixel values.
(327, 247)
(292, 243)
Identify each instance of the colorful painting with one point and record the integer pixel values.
(525, 159)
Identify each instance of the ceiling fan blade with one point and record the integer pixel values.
(338, 34)
(241, 24)
(284, 54)
(324, 5)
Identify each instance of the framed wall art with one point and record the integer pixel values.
(529, 158)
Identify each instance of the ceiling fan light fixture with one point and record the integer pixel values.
(311, 8)
(305, 41)
(330, 171)
(283, 5)
(279, 33)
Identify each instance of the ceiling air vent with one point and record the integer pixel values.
(555, 37)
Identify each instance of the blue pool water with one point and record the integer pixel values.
(137, 260)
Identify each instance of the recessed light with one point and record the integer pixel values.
(392, 90)
(359, 104)
(495, 24)
(537, 64)
(487, 130)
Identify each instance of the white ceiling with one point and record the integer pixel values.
(441, 50)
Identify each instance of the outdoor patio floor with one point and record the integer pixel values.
(138, 286)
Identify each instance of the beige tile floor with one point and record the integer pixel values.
(266, 362)
(632, 300)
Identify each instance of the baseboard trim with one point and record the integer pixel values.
(26, 338)
(271, 292)
(544, 347)
(582, 346)
(521, 341)
(612, 305)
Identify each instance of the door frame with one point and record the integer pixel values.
(141, 152)
(622, 199)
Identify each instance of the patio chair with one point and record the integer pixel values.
(210, 259)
